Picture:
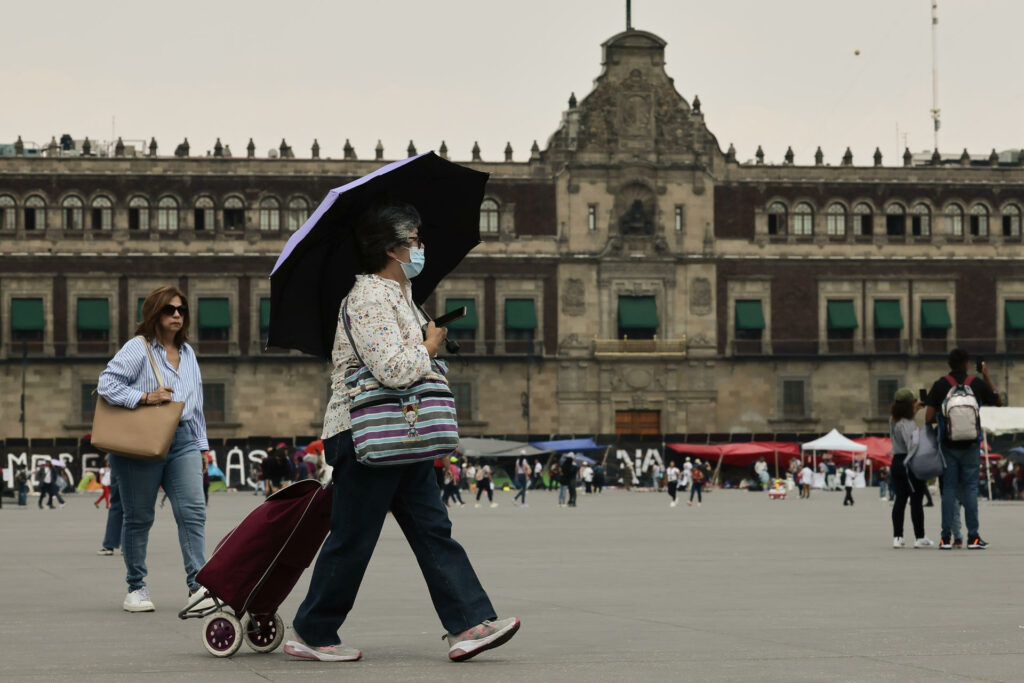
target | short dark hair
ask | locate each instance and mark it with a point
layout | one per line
(957, 358)
(383, 227)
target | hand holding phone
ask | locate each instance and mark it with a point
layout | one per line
(980, 366)
(451, 316)
(923, 393)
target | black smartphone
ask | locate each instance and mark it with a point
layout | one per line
(923, 393)
(451, 316)
(977, 366)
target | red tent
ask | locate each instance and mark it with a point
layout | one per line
(739, 454)
(879, 449)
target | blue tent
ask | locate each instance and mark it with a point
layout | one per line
(566, 445)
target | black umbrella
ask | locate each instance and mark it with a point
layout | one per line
(318, 265)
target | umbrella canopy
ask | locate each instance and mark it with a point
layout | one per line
(318, 264)
(1016, 454)
(582, 458)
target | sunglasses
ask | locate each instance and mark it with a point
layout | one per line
(169, 309)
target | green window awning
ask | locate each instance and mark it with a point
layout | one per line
(1014, 315)
(935, 315)
(638, 313)
(470, 322)
(138, 311)
(27, 315)
(749, 315)
(214, 314)
(841, 315)
(888, 315)
(264, 314)
(520, 314)
(93, 314)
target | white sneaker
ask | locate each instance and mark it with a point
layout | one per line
(138, 601)
(672, 504)
(199, 600)
(477, 505)
(494, 505)
(898, 542)
(924, 543)
(325, 653)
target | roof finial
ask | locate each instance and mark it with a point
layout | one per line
(476, 151)
(508, 151)
(443, 150)
(629, 21)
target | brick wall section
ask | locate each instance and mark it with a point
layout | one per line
(734, 211)
(534, 205)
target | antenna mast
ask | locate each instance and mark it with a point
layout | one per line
(935, 70)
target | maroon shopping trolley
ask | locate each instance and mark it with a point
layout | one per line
(254, 568)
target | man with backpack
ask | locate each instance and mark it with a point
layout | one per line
(956, 400)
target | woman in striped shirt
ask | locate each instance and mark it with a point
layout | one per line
(129, 381)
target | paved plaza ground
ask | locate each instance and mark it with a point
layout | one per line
(621, 588)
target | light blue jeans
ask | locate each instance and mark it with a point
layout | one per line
(960, 477)
(181, 475)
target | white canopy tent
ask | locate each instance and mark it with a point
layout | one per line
(999, 421)
(833, 441)
(474, 447)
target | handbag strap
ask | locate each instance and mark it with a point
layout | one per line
(152, 362)
(348, 331)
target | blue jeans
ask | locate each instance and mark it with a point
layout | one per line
(138, 482)
(961, 475)
(563, 492)
(115, 516)
(363, 495)
(521, 485)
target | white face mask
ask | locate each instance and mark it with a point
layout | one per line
(417, 259)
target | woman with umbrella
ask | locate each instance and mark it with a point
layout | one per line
(387, 331)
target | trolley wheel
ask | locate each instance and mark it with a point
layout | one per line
(222, 634)
(263, 632)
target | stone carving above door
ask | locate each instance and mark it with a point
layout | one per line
(700, 296)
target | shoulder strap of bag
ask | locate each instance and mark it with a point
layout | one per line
(348, 331)
(152, 361)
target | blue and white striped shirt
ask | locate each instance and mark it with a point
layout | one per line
(129, 375)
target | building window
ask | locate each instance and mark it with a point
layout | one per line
(888, 321)
(592, 217)
(138, 214)
(954, 221)
(88, 401)
(214, 319)
(803, 219)
(921, 221)
(935, 325)
(638, 317)
(93, 320)
(7, 215)
(264, 321)
(680, 218)
(270, 215)
(204, 214)
(213, 402)
(35, 213)
(776, 218)
(841, 324)
(464, 329)
(794, 404)
(489, 216)
(835, 219)
(234, 214)
(979, 220)
(167, 214)
(520, 325)
(27, 320)
(885, 390)
(749, 324)
(1011, 221)
(895, 220)
(73, 213)
(298, 212)
(102, 214)
(863, 219)
(1013, 325)
(138, 310)
(463, 392)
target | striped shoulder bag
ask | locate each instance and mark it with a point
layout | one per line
(399, 426)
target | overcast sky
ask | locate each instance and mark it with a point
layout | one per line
(768, 72)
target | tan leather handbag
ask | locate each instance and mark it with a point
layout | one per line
(144, 433)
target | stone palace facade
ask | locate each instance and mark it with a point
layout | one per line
(634, 278)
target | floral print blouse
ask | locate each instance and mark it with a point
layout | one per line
(386, 330)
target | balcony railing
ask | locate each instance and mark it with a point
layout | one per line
(649, 347)
(861, 347)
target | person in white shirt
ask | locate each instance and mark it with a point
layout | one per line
(538, 472)
(104, 477)
(687, 474)
(672, 477)
(849, 477)
(806, 479)
(587, 475)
